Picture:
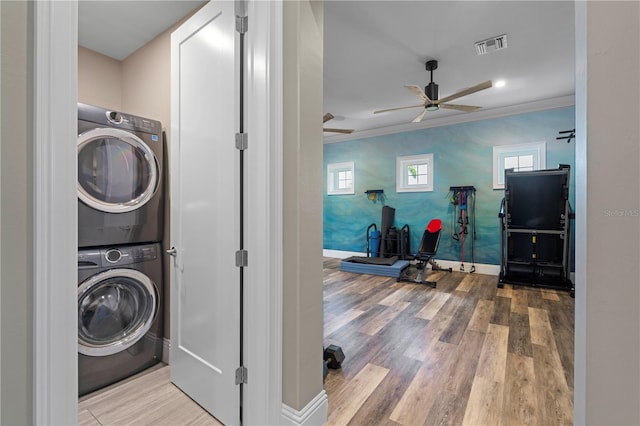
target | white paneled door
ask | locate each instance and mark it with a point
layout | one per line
(205, 213)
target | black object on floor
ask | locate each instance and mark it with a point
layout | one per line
(535, 229)
(333, 357)
(426, 252)
(387, 261)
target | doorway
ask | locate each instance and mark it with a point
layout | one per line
(56, 361)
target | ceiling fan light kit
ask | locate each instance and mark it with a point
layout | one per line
(429, 96)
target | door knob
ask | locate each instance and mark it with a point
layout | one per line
(172, 252)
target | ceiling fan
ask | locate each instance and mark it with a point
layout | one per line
(328, 116)
(429, 97)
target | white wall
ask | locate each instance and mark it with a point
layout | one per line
(607, 338)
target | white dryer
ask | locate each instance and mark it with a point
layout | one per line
(120, 178)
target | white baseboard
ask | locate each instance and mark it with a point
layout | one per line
(481, 268)
(340, 254)
(314, 413)
(166, 347)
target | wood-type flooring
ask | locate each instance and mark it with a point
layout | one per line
(464, 353)
(148, 398)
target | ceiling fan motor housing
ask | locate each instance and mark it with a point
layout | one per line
(431, 90)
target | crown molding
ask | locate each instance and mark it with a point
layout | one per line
(484, 114)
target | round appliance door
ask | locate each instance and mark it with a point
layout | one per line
(115, 309)
(117, 171)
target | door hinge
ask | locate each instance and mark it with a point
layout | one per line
(242, 258)
(242, 24)
(242, 141)
(241, 375)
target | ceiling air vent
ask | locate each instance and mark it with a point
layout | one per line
(491, 44)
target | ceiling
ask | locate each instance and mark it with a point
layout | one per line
(373, 48)
(117, 28)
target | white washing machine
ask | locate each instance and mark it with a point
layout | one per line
(120, 178)
(120, 313)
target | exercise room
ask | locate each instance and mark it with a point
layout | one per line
(448, 213)
(443, 195)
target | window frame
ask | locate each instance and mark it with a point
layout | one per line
(333, 170)
(403, 162)
(537, 149)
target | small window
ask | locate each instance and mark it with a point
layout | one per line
(340, 178)
(414, 173)
(523, 157)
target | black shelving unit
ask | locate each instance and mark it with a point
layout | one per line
(535, 229)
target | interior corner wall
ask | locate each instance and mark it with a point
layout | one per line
(140, 85)
(99, 79)
(302, 210)
(607, 345)
(462, 155)
(16, 210)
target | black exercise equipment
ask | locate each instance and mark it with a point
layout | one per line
(535, 229)
(463, 199)
(567, 134)
(426, 252)
(388, 216)
(333, 357)
(389, 241)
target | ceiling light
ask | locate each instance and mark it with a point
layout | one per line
(500, 83)
(432, 107)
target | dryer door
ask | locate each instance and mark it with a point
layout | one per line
(117, 171)
(115, 309)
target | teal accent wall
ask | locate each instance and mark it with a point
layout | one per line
(463, 155)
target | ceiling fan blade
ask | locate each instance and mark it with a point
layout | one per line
(395, 109)
(487, 84)
(417, 90)
(465, 108)
(345, 131)
(328, 116)
(420, 116)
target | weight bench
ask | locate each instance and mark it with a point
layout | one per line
(426, 252)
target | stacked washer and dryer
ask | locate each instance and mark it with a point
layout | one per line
(120, 223)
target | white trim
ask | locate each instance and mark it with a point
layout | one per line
(264, 275)
(483, 114)
(401, 177)
(481, 268)
(55, 236)
(341, 254)
(539, 161)
(582, 257)
(314, 413)
(332, 169)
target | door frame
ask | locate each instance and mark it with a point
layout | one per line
(55, 96)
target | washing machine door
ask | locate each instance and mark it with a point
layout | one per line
(116, 308)
(117, 171)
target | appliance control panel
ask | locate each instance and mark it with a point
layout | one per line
(117, 256)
